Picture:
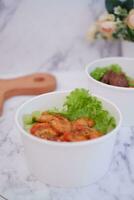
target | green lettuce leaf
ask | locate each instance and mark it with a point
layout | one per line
(80, 103)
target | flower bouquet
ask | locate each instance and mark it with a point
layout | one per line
(116, 24)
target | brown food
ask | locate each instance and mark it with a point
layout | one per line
(115, 79)
(55, 127)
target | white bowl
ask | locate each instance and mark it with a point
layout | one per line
(61, 163)
(121, 96)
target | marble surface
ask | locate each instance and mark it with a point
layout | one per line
(39, 36)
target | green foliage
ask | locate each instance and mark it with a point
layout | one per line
(80, 103)
(115, 68)
(111, 4)
(36, 115)
(120, 12)
(123, 32)
(29, 119)
(130, 34)
(131, 84)
(130, 81)
(99, 72)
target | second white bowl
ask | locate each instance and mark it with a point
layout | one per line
(121, 96)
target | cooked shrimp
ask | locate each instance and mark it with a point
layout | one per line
(82, 122)
(46, 117)
(58, 128)
(43, 130)
(61, 124)
(72, 137)
(93, 133)
(57, 122)
(90, 133)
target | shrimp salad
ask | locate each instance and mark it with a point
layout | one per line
(81, 118)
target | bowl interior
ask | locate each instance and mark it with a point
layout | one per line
(57, 99)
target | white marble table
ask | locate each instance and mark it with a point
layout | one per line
(38, 36)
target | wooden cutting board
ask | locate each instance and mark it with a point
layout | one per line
(33, 84)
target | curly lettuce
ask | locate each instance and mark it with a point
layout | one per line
(80, 103)
(99, 72)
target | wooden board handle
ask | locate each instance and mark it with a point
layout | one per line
(26, 85)
(2, 99)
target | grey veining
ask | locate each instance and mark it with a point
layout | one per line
(38, 36)
(7, 9)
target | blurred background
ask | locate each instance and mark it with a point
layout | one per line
(50, 35)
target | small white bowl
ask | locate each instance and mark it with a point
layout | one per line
(121, 96)
(66, 164)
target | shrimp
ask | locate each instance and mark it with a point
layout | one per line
(93, 133)
(83, 129)
(61, 124)
(82, 122)
(46, 117)
(43, 130)
(72, 137)
(90, 133)
(58, 128)
(57, 122)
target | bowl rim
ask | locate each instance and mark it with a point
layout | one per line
(104, 84)
(66, 144)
